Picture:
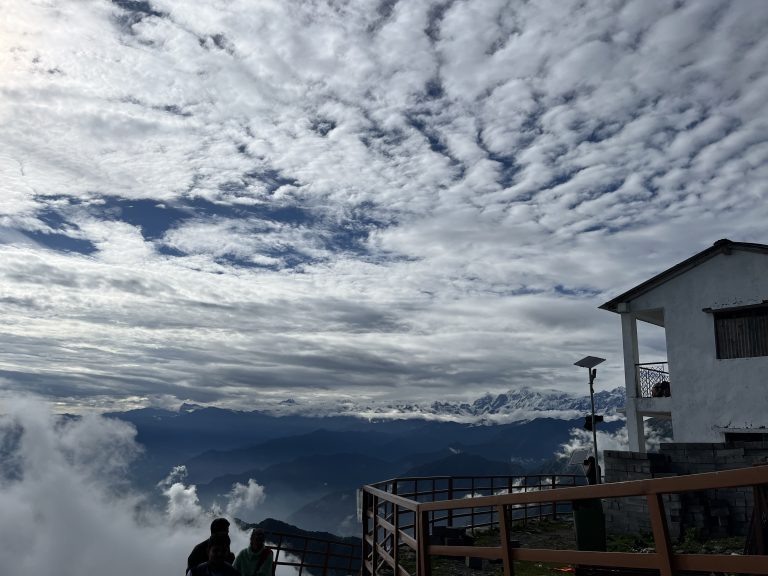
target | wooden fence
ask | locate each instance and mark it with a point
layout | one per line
(387, 535)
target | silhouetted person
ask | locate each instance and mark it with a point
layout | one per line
(591, 471)
(200, 552)
(216, 564)
(256, 560)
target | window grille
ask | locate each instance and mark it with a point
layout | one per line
(742, 333)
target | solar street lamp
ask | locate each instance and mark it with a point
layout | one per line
(589, 362)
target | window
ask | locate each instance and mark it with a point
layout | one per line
(742, 333)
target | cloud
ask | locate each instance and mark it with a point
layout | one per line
(64, 495)
(582, 440)
(380, 199)
(62, 489)
(183, 506)
(243, 499)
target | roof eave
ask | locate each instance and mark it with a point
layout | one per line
(724, 246)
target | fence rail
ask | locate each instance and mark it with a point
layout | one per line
(311, 556)
(384, 536)
(442, 488)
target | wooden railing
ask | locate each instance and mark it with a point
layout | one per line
(386, 541)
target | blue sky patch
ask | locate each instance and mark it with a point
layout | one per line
(62, 242)
(153, 217)
(581, 292)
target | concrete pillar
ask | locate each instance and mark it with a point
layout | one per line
(635, 429)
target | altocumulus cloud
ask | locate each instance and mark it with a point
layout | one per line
(67, 509)
(376, 199)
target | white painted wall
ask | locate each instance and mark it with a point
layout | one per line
(710, 394)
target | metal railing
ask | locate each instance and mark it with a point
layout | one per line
(653, 379)
(386, 543)
(311, 556)
(441, 488)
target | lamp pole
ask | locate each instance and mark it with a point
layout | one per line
(589, 362)
(592, 376)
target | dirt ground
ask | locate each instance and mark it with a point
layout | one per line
(551, 535)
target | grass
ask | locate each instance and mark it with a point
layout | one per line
(549, 534)
(629, 542)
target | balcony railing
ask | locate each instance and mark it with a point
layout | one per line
(653, 380)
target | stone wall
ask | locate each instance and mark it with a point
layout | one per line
(715, 513)
(630, 515)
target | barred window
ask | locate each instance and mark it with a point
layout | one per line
(742, 333)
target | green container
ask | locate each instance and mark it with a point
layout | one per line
(589, 521)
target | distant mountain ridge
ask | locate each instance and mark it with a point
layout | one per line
(512, 406)
(530, 400)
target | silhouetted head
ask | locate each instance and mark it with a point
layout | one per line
(218, 549)
(257, 538)
(220, 525)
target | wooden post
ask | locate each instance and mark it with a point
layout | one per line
(366, 531)
(660, 534)
(375, 533)
(396, 541)
(506, 550)
(424, 565)
(450, 497)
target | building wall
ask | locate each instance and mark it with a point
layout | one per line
(710, 394)
(630, 515)
(715, 513)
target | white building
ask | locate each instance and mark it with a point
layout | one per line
(714, 311)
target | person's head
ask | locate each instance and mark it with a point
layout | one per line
(220, 525)
(257, 538)
(218, 547)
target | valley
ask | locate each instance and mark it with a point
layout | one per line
(310, 466)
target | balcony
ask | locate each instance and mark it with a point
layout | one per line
(653, 380)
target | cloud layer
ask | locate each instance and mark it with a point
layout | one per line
(226, 201)
(67, 508)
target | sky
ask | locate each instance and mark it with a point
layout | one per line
(240, 203)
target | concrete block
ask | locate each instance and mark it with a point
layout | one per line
(726, 452)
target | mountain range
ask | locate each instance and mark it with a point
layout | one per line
(310, 464)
